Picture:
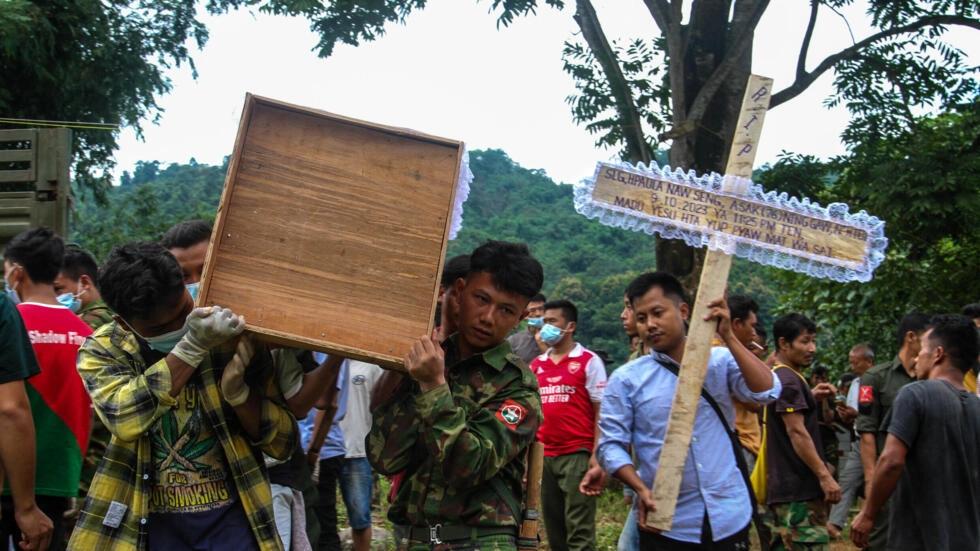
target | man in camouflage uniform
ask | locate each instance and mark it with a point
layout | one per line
(460, 423)
(79, 276)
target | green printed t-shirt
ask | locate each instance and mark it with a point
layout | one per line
(191, 472)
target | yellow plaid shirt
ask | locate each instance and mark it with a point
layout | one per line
(130, 398)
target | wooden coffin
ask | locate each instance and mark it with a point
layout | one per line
(331, 231)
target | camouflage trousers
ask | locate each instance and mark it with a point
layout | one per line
(801, 525)
(486, 543)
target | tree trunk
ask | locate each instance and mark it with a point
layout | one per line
(709, 35)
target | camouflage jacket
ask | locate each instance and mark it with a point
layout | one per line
(462, 446)
(96, 314)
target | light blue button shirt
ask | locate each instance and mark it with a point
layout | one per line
(635, 410)
(333, 444)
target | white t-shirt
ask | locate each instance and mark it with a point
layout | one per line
(852, 394)
(357, 423)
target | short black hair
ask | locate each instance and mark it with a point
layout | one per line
(186, 234)
(454, 268)
(761, 331)
(915, 322)
(510, 265)
(538, 298)
(972, 311)
(39, 251)
(741, 305)
(791, 326)
(568, 310)
(819, 371)
(78, 262)
(958, 337)
(136, 277)
(669, 284)
(847, 378)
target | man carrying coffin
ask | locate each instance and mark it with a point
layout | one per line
(460, 422)
(188, 415)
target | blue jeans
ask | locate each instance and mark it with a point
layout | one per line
(355, 486)
(629, 538)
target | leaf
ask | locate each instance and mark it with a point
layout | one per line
(168, 427)
(197, 449)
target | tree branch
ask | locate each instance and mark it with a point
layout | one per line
(660, 11)
(631, 123)
(671, 28)
(807, 36)
(676, 11)
(710, 87)
(803, 82)
(847, 23)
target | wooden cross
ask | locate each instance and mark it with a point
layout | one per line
(739, 218)
(697, 349)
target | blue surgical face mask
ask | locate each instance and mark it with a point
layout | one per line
(193, 289)
(535, 322)
(70, 301)
(550, 334)
(10, 292)
(165, 342)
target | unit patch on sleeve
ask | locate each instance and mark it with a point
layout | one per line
(866, 395)
(511, 414)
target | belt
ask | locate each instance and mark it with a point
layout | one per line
(440, 533)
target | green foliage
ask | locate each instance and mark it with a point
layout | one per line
(94, 61)
(146, 205)
(798, 176)
(887, 80)
(924, 180)
(594, 105)
(355, 21)
(584, 261)
(923, 184)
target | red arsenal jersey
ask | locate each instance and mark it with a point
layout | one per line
(570, 394)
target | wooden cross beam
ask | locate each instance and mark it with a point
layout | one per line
(697, 349)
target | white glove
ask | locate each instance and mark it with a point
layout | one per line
(206, 329)
(233, 387)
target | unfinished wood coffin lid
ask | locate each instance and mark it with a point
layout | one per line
(331, 231)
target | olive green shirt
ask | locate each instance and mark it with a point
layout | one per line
(95, 314)
(462, 445)
(884, 380)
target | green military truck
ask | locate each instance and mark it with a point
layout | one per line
(35, 189)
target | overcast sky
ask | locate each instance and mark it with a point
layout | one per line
(449, 71)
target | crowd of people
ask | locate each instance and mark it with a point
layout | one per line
(132, 418)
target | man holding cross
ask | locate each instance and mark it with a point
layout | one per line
(714, 508)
